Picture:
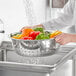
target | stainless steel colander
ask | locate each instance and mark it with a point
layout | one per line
(35, 48)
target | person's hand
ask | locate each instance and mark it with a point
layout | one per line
(63, 38)
(35, 26)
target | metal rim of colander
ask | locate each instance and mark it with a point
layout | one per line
(29, 40)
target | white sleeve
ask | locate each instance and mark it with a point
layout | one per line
(65, 18)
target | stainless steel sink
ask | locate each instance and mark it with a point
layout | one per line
(13, 64)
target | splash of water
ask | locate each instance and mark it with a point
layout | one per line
(29, 10)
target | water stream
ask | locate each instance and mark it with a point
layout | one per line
(30, 15)
(29, 10)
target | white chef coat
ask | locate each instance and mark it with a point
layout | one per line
(67, 17)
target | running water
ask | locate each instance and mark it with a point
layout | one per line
(30, 15)
(29, 10)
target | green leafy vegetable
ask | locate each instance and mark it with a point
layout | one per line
(42, 36)
(39, 29)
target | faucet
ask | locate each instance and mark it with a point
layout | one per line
(2, 31)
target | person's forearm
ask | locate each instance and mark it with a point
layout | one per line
(63, 20)
(73, 38)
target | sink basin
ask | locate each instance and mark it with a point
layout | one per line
(36, 66)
